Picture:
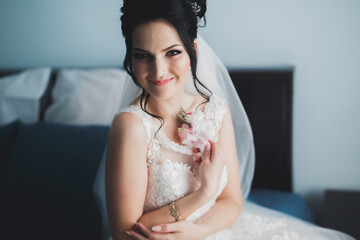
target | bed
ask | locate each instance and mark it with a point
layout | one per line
(48, 167)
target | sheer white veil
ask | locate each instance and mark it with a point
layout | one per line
(212, 72)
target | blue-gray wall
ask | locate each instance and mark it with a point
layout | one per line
(60, 33)
(321, 38)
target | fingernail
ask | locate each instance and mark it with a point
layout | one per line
(156, 228)
(129, 233)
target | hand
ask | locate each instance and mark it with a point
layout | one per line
(197, 155)
(171, 231)
(211, 168)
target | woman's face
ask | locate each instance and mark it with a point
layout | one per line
(160, 62)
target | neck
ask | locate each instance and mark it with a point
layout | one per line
(168, 109)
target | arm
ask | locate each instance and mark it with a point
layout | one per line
(229, 203)
(125, 173)
(185, 206)
(126, 180)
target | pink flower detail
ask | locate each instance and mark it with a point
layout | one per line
(186, 135)
(201, 131)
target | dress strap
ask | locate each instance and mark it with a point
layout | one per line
(215, 110)
(150, 126)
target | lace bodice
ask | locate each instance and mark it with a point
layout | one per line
(172, 171)
(173, 174)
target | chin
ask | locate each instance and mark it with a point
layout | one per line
(165, 93)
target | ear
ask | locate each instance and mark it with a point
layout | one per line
(196, 46)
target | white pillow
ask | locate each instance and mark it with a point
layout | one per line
(85, 97)
(20, 95)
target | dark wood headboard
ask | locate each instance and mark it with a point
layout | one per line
(267, 99)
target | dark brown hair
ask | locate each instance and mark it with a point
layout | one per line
(184, 15)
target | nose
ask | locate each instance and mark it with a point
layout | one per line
(159, 68)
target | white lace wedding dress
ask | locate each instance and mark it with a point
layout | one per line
(173, 174)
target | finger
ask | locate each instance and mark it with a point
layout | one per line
(143, 229)
(215, 152)
(198, 160)
(207, 152)
(168, 228)
(196, 150)
(135, 227)
(196, 156)
(212, 144)
(136, 235)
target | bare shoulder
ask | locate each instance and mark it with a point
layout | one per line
(227, 124)
(127, 125)
(126, 141)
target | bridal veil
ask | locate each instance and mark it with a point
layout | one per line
(255, 222)
(214, 75)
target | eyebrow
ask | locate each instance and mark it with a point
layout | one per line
(164, 50)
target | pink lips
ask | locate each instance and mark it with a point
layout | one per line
(161, 82)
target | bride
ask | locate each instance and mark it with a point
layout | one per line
(171, 167)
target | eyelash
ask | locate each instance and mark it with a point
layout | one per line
(147, 56)
(173, 53)
(141, 55)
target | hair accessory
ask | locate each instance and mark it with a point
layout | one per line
(196, 9)
(174, 212)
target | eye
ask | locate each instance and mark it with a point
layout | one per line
(141, 55)
(173, 53)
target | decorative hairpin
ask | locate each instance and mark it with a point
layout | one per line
(196, 9)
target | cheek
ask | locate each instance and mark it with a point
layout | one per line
(139, 69)
(182, 65)
(140, 73)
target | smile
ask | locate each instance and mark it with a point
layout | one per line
(161, 82)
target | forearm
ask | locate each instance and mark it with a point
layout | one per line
(185, 206)
(228, 210)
